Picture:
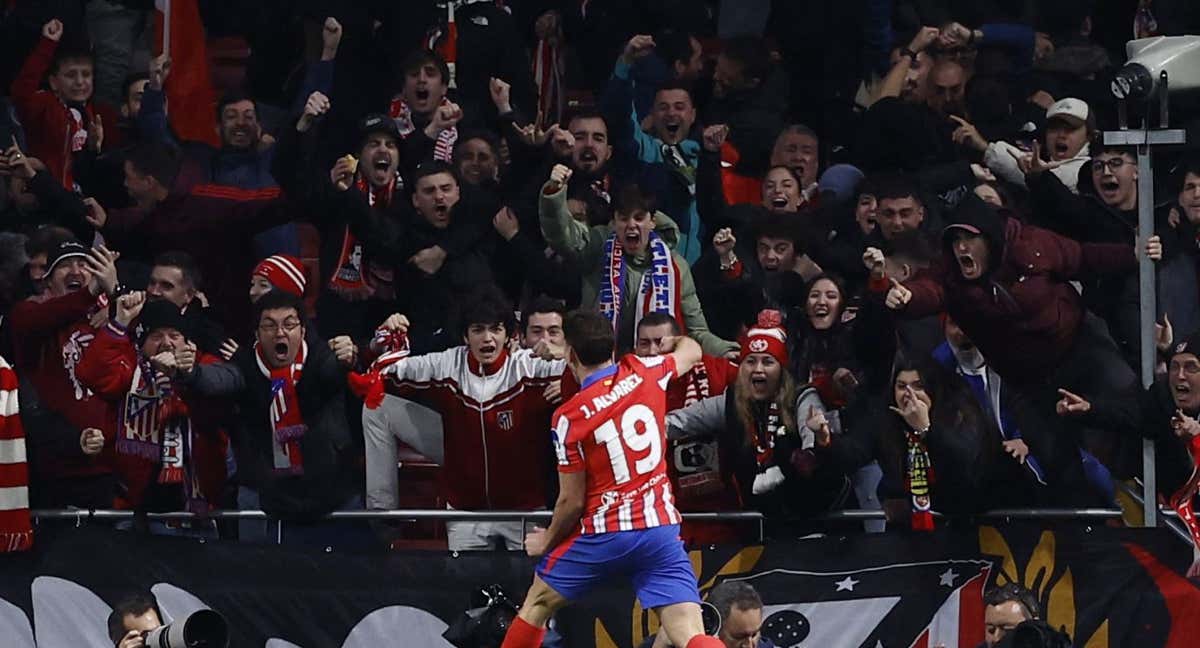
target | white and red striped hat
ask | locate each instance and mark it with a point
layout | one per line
(767, 337)
(284, 272)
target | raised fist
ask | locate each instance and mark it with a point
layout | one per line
(129, 306)
(53, 29)
(318, 104)
(331, 36)
(715, 136)
(560, 175)
(873, 260)
(501, 94)
(637, 47)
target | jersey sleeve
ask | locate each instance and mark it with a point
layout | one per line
(659, 369)
(568, 449)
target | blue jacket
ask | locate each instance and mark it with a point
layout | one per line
(639, 157)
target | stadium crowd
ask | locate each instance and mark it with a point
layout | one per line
(891, 226)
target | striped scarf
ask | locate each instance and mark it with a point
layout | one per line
(659, 291)
(1183, 502)
(358, 278)
(369, 386)
(284, 416)
(16, 529)
(154, 425)
(919, 480)
(443, 148)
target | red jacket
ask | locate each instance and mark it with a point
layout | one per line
(215, 225)
(49, 338)
(495, 420)
(1024, 315)
(53, 134)
(107, 367)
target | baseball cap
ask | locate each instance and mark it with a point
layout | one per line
(378, 123)
(64, 251)
(1072, 110)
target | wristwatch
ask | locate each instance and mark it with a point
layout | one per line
(912, 56)
(733, 259)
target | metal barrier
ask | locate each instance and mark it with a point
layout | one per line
(82, 515)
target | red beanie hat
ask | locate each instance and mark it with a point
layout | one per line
(284, 272)
(767, 337)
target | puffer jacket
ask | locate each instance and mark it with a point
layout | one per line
(1023, 313)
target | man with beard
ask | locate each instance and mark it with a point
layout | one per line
(1007, 286)
(246, 154)
(293, 446)
(63, 122)
(50, 333)
(494, 414)
(665, 158)
(629, 267)
(170, 450)
(947, 88)
(1108, 213)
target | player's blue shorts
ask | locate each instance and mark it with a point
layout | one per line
(653, 558)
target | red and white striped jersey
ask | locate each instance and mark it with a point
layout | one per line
(615, 431)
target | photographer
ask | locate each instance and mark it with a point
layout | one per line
(132, 618)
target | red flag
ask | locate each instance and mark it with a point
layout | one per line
(16, 532)
(191, 100)
(1181, 597)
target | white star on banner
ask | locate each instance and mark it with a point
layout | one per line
(846, 585)
(948, 577)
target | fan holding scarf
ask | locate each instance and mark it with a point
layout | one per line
(169, 443)
(292, 437)
(630, 266)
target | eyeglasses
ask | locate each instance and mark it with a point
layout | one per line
(1190, 367)
(271, 328)
(1113, 164)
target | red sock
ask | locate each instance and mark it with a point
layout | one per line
(523, 635)
(705, 641)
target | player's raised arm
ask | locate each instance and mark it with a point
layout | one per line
(687, 354)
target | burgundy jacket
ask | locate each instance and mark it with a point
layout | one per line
(1023, 315)
(48, 121)
(50, 337)
(107, 367)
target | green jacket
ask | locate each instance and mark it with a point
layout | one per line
(584, 246)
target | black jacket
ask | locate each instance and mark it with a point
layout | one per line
(326, 447)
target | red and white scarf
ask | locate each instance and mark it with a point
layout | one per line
(154, 425)
(547, 74)
(697, 385)
(658, 292)
(356, 277)
(443, 147)
(369, 386)
(16, 529)
(1183, 501)
(284, 416)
